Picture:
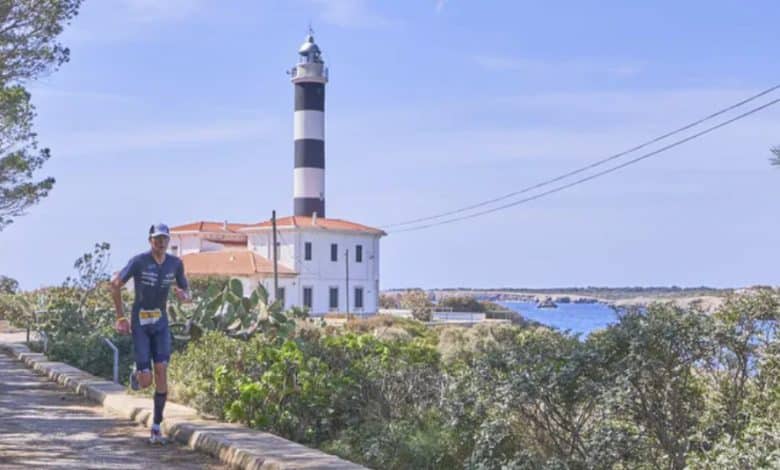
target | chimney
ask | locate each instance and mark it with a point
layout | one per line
(225, 226)
(314, 218)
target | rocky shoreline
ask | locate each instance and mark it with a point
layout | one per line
(707, 303)
(539, 298)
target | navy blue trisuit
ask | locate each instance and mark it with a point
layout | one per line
(149, 319)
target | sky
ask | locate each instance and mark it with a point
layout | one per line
(180, 111)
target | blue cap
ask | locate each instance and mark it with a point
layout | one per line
(157, 230)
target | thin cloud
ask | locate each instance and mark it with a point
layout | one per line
(164, 136)
(151, 11)
(39, 92)
(564, 128)
(351, 14)
(131, 20)
(640, 106)
(440, 5)
(577, 67)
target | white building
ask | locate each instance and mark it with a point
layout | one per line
(323, 264)
(313, 257)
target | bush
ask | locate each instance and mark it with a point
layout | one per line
(77, 322)
(661, 388)
(17, 309)
(388, 301)
(297, 396)
(420, 442)
(462, 303)
(417, 301)
(313, 388)
(193, 371)
(377, 324)
(90, 353)
(8, 285)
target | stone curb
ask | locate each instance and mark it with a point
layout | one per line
(234, 445)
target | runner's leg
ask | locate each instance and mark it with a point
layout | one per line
(143, 357)
(161, 353)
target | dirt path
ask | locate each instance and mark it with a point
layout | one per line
(43, 425)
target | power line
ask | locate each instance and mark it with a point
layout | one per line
(595, 175)
(590, 166)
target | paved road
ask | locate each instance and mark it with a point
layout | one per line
(43, 425)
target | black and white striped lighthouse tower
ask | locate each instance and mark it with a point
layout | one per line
(309, 77)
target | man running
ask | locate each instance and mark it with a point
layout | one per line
(153, 273)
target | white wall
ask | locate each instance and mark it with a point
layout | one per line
(206, 246)
(261, 243)
(290, 292)
(186, 244)
(250, 284)
(377, 287)
(321, 273)
(258, 243)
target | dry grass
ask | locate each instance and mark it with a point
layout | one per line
(457, 342)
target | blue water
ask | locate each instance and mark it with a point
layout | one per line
(577, 318)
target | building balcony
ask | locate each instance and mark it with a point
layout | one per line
(309, 72)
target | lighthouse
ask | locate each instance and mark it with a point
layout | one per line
(309, 77)
(310, 261)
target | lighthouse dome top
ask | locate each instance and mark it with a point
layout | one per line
(310, 66)
(309, 48)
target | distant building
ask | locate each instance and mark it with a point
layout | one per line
(311, 249)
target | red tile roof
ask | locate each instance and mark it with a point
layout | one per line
(321, 223)
(231, 263)
(232, 243)
(204, 226)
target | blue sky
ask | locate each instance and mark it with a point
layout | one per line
(181, 111)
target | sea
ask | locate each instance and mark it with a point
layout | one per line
(575, 318)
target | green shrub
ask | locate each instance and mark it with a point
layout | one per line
(661, 388)
(90, 353)
(377, 325)
(297, 396)
(462, 303)
(417, 442)
(193, 371)
(314, 388)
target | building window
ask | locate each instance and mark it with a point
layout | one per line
(333, 301)
(280, 295)
(307, 297)
(358, 297)
(334, 252)
(174, 249)
(307, 251)
(359, 254)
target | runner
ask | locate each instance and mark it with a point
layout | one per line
(153, 273)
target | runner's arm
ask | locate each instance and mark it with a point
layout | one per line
(116, 294)
(183, 285)
(117, 282)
